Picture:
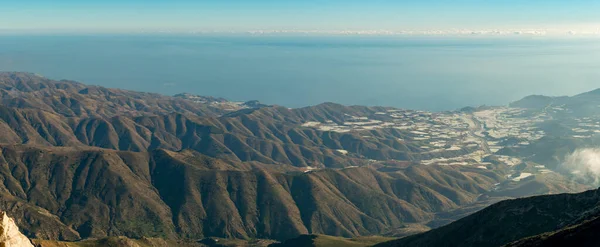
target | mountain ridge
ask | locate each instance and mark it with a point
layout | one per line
(508, 221)
(155, 177)
(81, 162)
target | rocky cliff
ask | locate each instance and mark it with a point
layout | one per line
(10, 236)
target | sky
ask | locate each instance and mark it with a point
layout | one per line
(560, 16)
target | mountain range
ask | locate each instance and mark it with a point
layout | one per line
(82, 162)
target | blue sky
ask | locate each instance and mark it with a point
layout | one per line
(243, 15)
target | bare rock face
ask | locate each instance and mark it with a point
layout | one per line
(10, 236)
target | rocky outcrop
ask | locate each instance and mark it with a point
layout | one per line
(10, 236)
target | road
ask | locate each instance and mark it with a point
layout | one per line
(476, 126)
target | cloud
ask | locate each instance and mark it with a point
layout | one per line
(441, 32)
(584, 164)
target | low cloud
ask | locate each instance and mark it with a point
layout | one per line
(584, 164)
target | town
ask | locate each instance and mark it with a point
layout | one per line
(476, 135)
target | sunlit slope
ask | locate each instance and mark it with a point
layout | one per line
(73, 193)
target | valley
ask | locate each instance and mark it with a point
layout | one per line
(475, 137)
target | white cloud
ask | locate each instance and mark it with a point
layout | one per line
(584, 164)
(441, 32)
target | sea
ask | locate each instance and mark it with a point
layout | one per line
(422, 73)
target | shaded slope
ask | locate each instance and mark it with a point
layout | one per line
(69, 194)
(349, 202)
(508, 221)
(584, 234)
(329, 241)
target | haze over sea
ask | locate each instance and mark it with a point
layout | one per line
(429, 73)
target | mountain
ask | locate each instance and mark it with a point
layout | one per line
(536, 101)
(511, 220)
(591, 94)
(583, 104)
(80, 162)
(73, 99)
(70, 194)
(584, 234)
(39, 111)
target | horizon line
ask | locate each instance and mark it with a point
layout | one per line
(341, 32)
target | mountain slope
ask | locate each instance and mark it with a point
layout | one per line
(510, 220)
(82, 161)
(67, 193)
(40, 111)
(584, 234)
(584, 104)
(73, 99)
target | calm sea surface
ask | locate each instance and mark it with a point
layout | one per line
(295, 71)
